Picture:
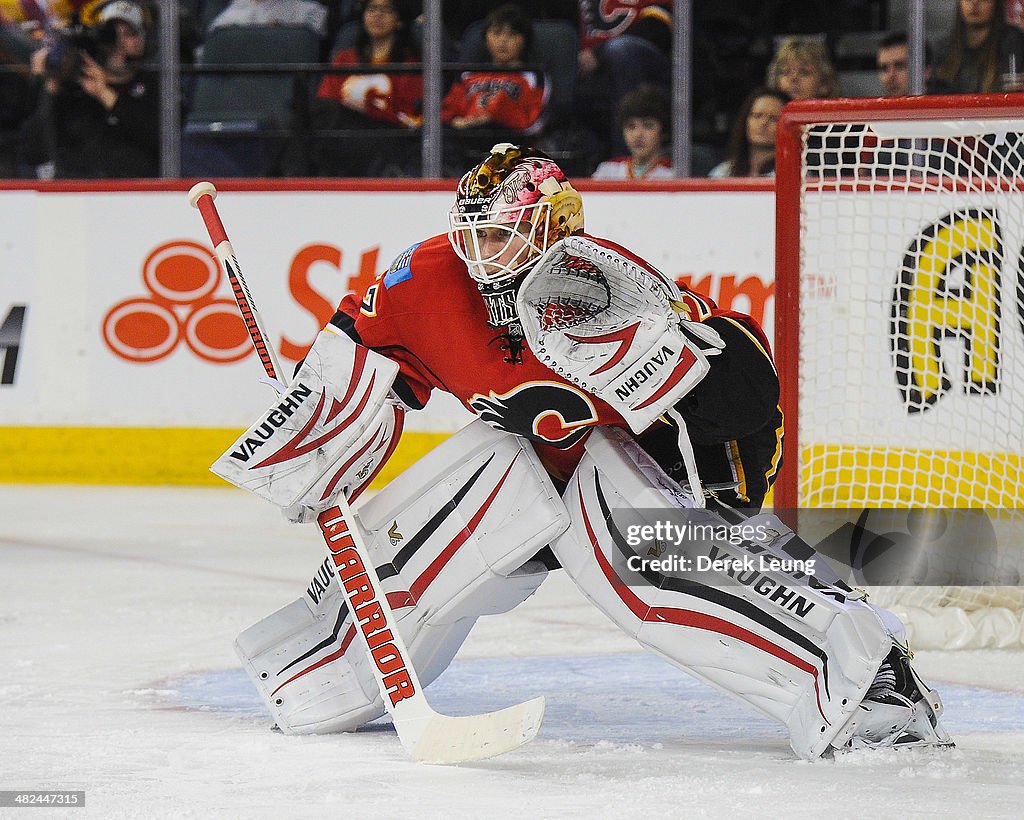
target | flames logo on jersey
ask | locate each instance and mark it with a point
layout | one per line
(549, 412)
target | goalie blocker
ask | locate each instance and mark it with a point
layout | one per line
(331, 431)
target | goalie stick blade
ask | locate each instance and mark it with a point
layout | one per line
(426, 735)
(445, 739)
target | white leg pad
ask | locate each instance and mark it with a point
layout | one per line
(314, 675)
(451, 539)
(801, 653)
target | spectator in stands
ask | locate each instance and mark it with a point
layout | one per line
(17, 90)
(98, 113)
(623, 43)
(370, 102)
(802, 70)
(893, 60)
(500, 98)
(644, 120)
(306, 13)
(881, 157)
(981, 48)
(751, 147)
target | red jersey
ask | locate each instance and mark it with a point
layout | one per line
(509, 99)
(600, 20)
(393, 98)
(624, 168)
(426, 314)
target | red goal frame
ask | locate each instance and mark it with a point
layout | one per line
(795, 116)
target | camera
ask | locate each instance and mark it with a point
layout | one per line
(64, 62)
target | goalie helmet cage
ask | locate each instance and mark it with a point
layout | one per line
(900, 345)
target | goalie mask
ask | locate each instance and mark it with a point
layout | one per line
(508, 210)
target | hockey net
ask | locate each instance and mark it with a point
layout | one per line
(900, 344)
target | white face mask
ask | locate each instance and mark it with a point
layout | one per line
(497, 246)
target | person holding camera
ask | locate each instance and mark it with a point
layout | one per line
(98, 113)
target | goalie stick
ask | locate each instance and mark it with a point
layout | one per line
(427, 736)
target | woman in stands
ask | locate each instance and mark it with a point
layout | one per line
(752, 141)
(802, 69)
(370, 102)
(981, 48)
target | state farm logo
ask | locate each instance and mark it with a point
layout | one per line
(181, 278)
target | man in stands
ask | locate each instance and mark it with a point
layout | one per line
(893, 61)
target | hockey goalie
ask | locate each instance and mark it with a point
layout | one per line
(604, 394)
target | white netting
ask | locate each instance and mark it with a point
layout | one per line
(911, 387)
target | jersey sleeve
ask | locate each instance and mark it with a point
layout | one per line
(404, 106)
(377, 320)
(732, 415)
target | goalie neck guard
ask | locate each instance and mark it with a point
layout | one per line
(508, 210)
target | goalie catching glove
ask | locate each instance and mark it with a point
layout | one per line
(330, 432)
(614, 328)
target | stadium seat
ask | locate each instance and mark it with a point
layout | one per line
(232, 101)
(260, 107)
(346, 37)
(207, 10)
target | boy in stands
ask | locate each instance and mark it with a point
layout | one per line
(644, 120)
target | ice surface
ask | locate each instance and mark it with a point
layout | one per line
(118, 608)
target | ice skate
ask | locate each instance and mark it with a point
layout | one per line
(899, 710)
